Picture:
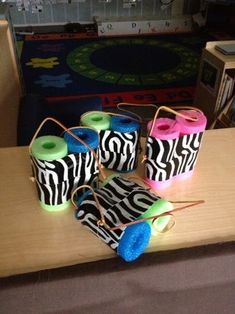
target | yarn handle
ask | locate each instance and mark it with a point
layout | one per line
(170, 110)
(123, 104)
(120, 107)
(73, 135)
(138, 119)
(103, 223)
(169, 213)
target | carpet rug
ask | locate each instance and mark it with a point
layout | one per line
(143, 69)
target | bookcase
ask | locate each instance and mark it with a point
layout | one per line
(214, 69)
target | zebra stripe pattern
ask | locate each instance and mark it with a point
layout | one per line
(169, 158)
(119, 151)
(56, 179)
(123, 201)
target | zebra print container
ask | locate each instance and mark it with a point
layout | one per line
(119, 151)
(123, 201)
(119, 139)
(57, 178)
(169, 158)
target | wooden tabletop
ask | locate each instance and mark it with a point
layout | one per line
(33, 239)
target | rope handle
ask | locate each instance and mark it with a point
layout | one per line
(122, 104)
(169, 109)
(139, 119)
(73, 135)
(192, 203)
(103, 223)
(114, 114)
(119, 107)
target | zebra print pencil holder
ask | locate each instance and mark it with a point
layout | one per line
(172, 146)
(119, 139)
(112, 213)
(119, 151)
(58, 171)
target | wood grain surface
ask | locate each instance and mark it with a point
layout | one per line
(32, 239)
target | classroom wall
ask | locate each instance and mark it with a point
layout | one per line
(83, 12)
(10, 87)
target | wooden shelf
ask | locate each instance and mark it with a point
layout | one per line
(213, 67)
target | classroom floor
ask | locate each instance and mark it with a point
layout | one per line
(172, 93)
